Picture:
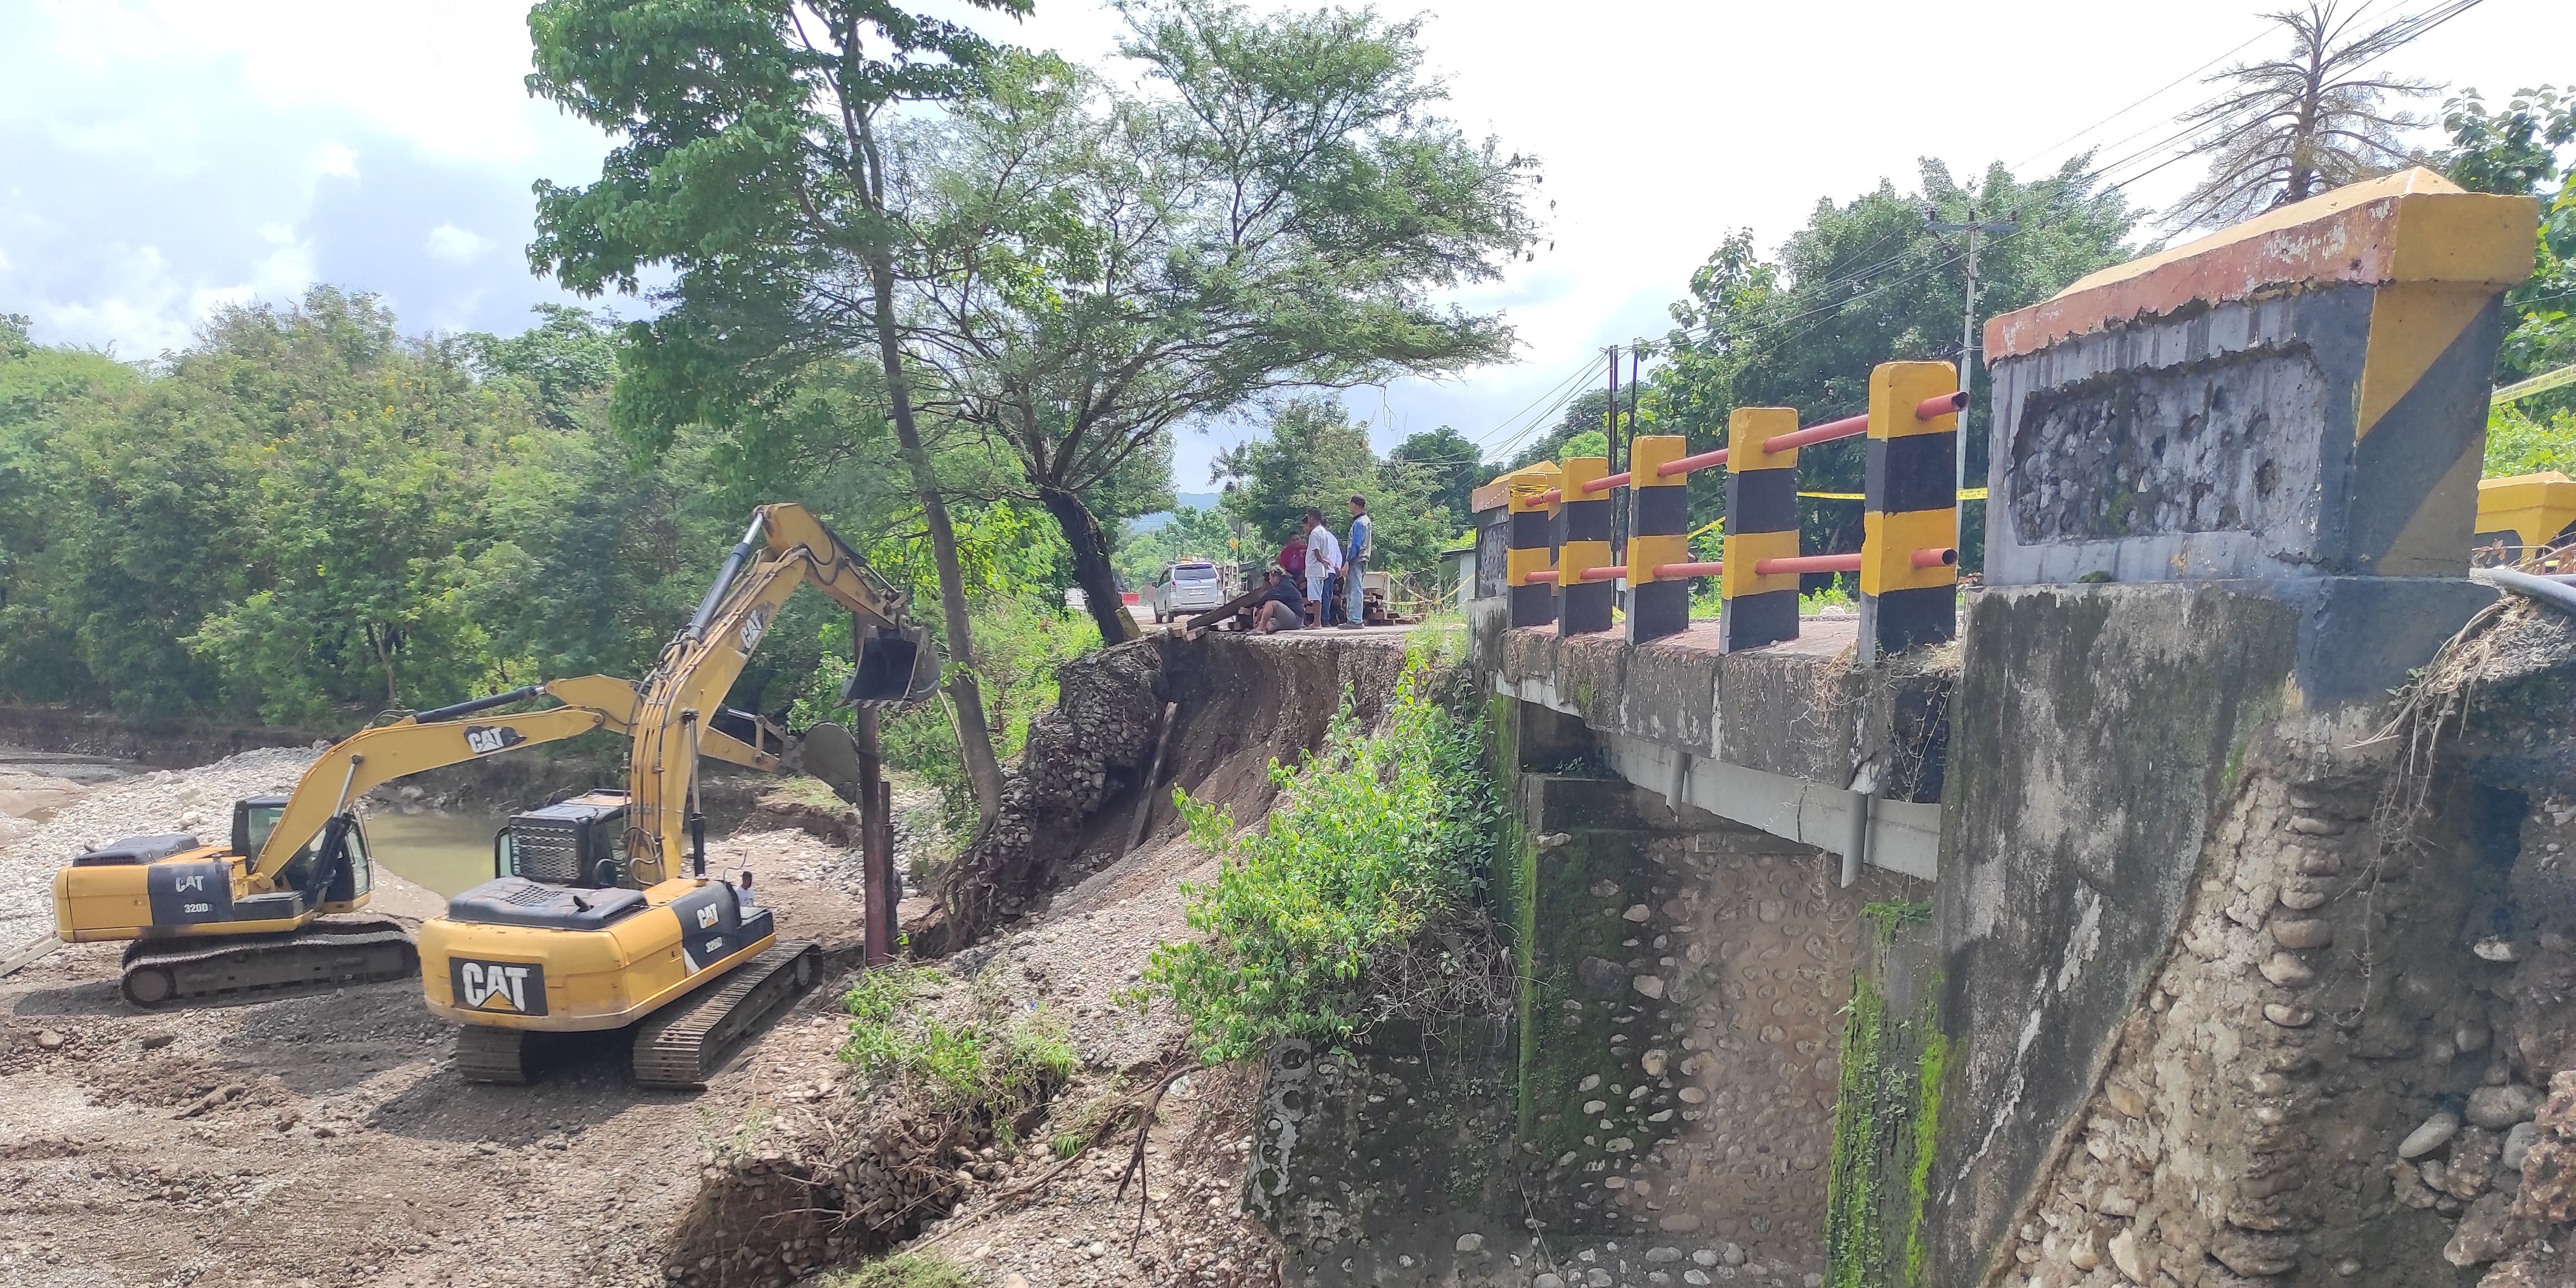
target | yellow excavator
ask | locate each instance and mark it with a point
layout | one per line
(601, 914)
(208, 920)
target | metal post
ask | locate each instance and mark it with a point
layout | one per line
(876, 852)
(1968, 323)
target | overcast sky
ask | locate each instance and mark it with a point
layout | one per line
(161, 157)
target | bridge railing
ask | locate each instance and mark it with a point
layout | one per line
(1563, 569)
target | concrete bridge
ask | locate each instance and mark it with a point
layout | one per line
(2085, 948)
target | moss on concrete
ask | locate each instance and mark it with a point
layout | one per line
(1886, 1114)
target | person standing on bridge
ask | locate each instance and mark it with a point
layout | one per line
(1355, 562)
(1323, 559)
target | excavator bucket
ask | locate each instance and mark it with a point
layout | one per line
(832, 755)
(895, 667)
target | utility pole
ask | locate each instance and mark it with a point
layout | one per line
(1968, 325)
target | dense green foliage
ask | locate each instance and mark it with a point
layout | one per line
(991, 1065)
(307, 517)
(2517, 148)
(1190, 533)
(1373, 841)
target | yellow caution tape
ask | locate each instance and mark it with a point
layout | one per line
(1965, 494)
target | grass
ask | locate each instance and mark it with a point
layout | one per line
(993, 1065)
(911, 1270)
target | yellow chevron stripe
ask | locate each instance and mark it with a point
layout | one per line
(2411, 324)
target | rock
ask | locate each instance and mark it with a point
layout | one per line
(1554, 840)
(1591, 1107)
(1546, 1280)
(1683, 1223)
(2125, 1255)
(2549, 1179)
(2432, 1135)
(1658, 1256)
(2126, 1099)
(1695, 1277)
(2496, 948)
(1599, 974)
(2473, 1158)
(1649, 985)
(1014, 1279)
(1604, 889)
(49, 1040)
(2289, 1017)
(2255, 1256)
(2302, 894)
(1590, 1080)
(2302, 932)
(1637, 912)
(2087, 1252)
(1705, 1257)
(2517, 1146)
(1653, 1063)
(2288, 971)
(2481, 1235)
(156, 1041)
(1471, 1243)
(2409, 1186)
(1731, 1255)
(2471, 1035)
(2316, 863)
(2499, 1108)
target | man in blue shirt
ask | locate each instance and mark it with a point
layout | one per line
(1355, 557)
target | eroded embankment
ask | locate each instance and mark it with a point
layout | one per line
(1053, 921)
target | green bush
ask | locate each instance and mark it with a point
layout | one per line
(2518, 444)
(1374, 840)
(995, 1064)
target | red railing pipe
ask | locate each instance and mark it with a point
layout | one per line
(1606, 572)
(1546, 577)
(1677, 571)
(1935, 556)
(1607, 482)
(1927, 409)
(1548, 497)
(1808, 563)
(1686, 464)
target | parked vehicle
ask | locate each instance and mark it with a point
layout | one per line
(1189, 586)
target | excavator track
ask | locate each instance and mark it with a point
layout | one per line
(488, 1054)
(324, 954)
(682, 1046)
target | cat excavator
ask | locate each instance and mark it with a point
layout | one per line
(601, 914)
(207, 920)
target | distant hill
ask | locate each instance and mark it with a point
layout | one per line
(1186, 500)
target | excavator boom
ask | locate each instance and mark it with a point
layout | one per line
(785, 546)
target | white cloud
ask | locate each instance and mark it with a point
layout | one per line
(4, 261)
(455, 245)
(336, 160)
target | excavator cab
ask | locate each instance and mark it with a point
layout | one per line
(893, 667)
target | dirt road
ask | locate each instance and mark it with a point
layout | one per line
(322, 1139)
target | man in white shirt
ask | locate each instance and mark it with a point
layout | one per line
(1323, 559)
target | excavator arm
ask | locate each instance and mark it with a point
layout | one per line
(786, 546)
(430, 739)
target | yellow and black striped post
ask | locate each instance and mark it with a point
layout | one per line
(1658, 534)
(1909, 570)
(1761, 523)
(1529, 570)
(1583, 604)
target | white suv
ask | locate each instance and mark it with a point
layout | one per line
(1190, 586)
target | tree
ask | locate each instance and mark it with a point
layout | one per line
(1315, 457)
(1445, 464)
(1103, 266)
(1863, 283)
(2288, 128)
(751, 161)
(2515, 150)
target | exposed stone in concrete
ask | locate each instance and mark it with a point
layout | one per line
(2499, 1108)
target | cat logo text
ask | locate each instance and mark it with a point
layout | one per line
(500, 988)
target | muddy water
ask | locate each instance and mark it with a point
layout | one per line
(447, 852)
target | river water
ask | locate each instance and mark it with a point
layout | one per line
(448, 853)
